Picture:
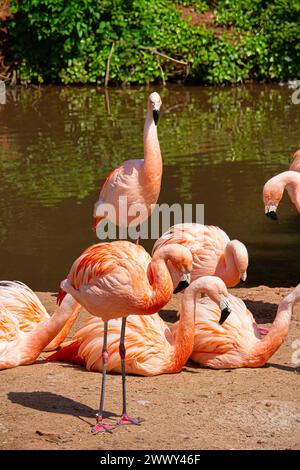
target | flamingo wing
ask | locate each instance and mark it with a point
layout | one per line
(19, 301)
(124, 180)
(225, 345)
(99, 260)
(207, 244)
(9, 327)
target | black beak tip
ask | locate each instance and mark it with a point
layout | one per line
(155, 116)
(272, 215)
(224, 315)
(242, 280)
(181, 286)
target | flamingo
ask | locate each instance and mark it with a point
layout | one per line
(152, 349)
(136, 182)
(213, 252)
(295, 165)
(238, 342)
(26, 329)
(235, 343)
(113, 280)
(274, 188)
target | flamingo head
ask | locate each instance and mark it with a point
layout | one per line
(155, 103)
(215, 288)
(296, 155)
(241, 259)
(181, 258)
(179, 261)
(272, 195)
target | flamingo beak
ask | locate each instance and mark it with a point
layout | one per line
(272, 215)
(225, 310)
(155, 116)
(183, 283)
(270, 212)
(224, 315)
(243, 277)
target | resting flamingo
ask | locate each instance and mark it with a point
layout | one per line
(151, 347)
(295, 165)
(217, 344)
(26, 329)
(238, 342)
(138, 181)
(113, 280)
(213, 252)
(274, 188)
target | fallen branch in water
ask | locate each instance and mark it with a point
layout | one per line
(108, 65)
(162, 72)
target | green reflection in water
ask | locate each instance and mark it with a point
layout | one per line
(59, 143)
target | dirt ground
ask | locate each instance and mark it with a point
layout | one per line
(52, 405)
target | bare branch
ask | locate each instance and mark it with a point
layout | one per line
(108, 65)
(161, 54)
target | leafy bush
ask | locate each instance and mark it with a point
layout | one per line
(270, 34)
(69, 41)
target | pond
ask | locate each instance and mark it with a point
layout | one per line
(219, 146)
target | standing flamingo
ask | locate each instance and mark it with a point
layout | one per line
(151, 347)
(113, 280)
(238, 342)
(274, 188)
(135, 183)
(26, 329)
(214, 254)
(295, 165)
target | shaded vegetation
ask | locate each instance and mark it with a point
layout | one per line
(69, 41)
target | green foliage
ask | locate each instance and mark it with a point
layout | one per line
(270, 34)
(69, 41)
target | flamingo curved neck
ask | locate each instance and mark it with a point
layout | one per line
(185, 332)
(161, 284)
(48, 330)
(266, 347)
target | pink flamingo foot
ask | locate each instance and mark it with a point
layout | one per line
(128, 420)
(102, 426)
(263, 331)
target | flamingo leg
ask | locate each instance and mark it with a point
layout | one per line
(125, 419)
(101, 425)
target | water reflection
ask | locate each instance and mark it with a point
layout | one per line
(219, 146)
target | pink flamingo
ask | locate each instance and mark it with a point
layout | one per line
(214, 254)
(274, 188)
(26, 329)
(238, 342)
(151, 347)
(113, 280)
(295, 165)
(138, 181)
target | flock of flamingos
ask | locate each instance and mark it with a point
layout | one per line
(123, 288)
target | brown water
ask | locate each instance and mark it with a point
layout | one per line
(219, 147)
